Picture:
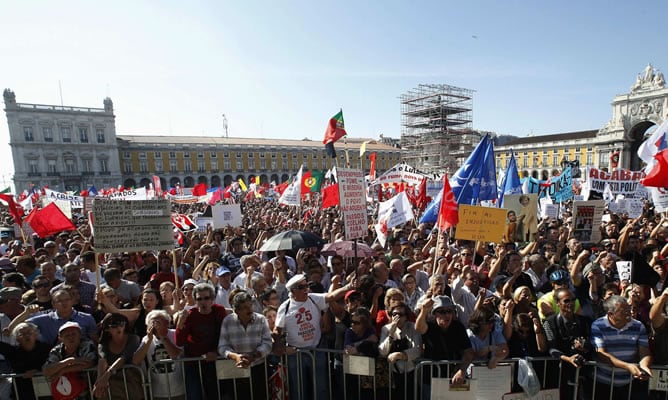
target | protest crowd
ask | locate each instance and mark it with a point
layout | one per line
(101, 324)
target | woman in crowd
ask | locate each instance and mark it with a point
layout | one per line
(412, 292)
(360, 339)
(393, 297)
(27, 358)
(524, 301)
(402, 345)
(150, 300)
(488, 343)
(116, 348)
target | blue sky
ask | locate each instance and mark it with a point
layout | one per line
(281, 69)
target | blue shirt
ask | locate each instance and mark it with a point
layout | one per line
(49, 323)
(623, 343)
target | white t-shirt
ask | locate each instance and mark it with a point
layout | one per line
(301, 320)
(166, 378)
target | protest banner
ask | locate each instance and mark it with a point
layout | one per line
(352, 202)
(586, 220)
(621, 181)
(659, 198)
(202, 222)
(395, 211)
(52, 195)
(226, 214)
(132, 194)
(561, 187)
(480, 223)
(399, 173)
(132, 225)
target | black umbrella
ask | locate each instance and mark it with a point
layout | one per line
(292, 240)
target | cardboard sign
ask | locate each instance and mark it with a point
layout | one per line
(52, 195)
(132, 225)
(352, 202)
(480, 223)
(226, 214)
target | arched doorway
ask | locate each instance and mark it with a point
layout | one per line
(227, 180)
(636, 136)
(145, 182)
(263, 179)
(188, 181)
(274, 178)
(203, 179)
(129, 183)
(215, 181)
(175, 181)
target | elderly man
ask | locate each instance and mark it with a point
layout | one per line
(245, 338)
(127, 291)
(444, 338)
(197, 332)
(72, 274)
(249, 265)
(621, 342)
(299, 317)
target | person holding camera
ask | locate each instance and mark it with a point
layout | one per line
(567, 339)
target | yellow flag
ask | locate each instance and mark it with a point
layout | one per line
(242, 185)
(362, 149)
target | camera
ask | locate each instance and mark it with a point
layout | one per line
(579, 360)
(579, 344)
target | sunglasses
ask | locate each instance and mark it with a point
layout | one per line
(301, 287)
(205, 298)
(397, 314)
(444, 311)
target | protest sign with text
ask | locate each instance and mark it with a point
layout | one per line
(352, 202)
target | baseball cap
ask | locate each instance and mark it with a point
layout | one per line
(67, 325)
(294, 281)
(351, 293)
(190, 281)
(442, 302)
(220, 271)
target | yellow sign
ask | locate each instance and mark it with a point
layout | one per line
(485, 224)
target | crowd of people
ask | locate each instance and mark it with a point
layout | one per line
(424, 296)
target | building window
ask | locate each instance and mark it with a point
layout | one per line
(239, 163)
(263, 163)
(186, 154)
(128, 168)
(103, 165)
(33, 166)
(70, 166)
(66, 133)
(213, 154)
(555, 159)
(86, 165)
(187, 166)
(27, 133)
(52, 166)
(47, 132)
(83, 135)
(200, 155)
(273, 163)
(200, 166)
(143, 166)
(157, 154)
(142, 155)
(577, 157)
(99, 132)
(214, 165)
(158, 166)
(590, 158)
(126, 155)
(172, 166)
(226, 163)
(172, 154)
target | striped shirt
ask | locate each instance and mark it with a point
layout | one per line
(624, 343)
(237, 339)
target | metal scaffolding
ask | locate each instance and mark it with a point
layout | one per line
(436, 134)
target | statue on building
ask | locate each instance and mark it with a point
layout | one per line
(649, 74)
(658, 80)
(638, 83)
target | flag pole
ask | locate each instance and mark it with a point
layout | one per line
(438, 245)
(176, 272)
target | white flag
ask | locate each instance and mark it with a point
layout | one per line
(292, 195)
(395, 211)
(658, 141)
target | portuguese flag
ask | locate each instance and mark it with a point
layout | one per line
(335, 130)
(311, 182)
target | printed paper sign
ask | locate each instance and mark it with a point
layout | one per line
(226, 214)
(586, 220)
(624, 269)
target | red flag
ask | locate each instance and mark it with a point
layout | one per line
(183, 222)
(14, 208)
(215, 197)
(422, 199)
(227, 193)
(305, 188)
(447, 213)
(280, 188)
(330, 196)
(199, 189)
(49, 220)
(614, 159)
(372, 169)
(157, 186)
(658, 175)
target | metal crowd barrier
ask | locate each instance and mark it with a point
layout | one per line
(329, 374)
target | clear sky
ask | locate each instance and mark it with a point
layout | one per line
(281, 69)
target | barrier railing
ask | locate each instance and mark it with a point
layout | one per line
(329, 374)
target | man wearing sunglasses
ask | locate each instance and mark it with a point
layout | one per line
(299, 318)
(444, 338)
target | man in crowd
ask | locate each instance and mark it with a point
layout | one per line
(72, 273)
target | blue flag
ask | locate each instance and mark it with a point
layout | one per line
(476, 179)
(92, 191)
(430, 214)
(511, 180)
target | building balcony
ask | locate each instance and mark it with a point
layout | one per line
(53, 174)
(34, 174)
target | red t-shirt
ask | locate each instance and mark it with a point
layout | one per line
(201, 332)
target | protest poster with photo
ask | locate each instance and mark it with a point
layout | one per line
(132, 225)
(521, 217)
(587, 219)
(624, 269)
(226, 214)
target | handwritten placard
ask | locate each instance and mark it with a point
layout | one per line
(352, 201)
(480, 223)
(132, 225)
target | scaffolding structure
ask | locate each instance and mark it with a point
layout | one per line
(436, 127)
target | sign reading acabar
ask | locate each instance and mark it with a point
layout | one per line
(481, 223)
(621, 181)
(132, 225)
(226, 214)
(352, 202)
